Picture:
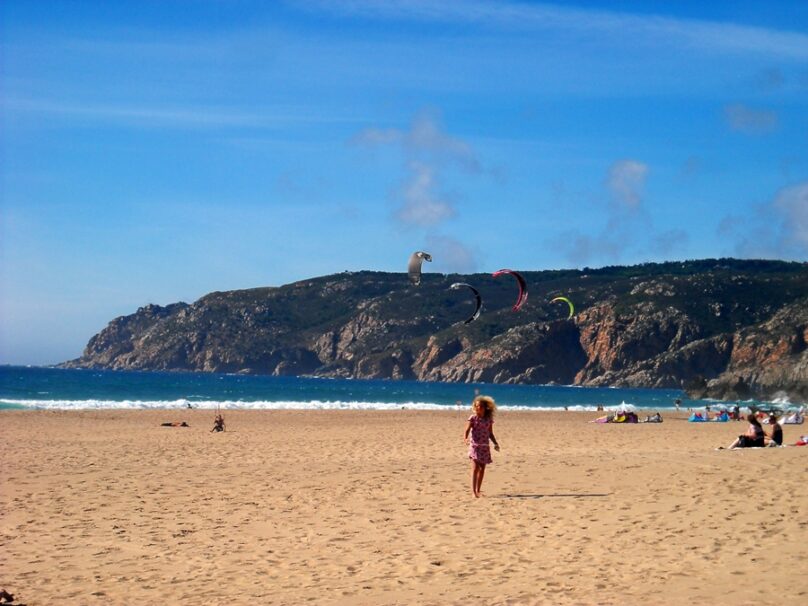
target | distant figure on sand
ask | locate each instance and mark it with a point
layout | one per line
(754, 436)
(480, 426)
(218, 423)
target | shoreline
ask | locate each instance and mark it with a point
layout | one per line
(17, 405)
(374, 507)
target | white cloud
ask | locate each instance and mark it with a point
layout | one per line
(792, 203)
(427, 135)
(650, 30)
(187, 117)
(626, 181)
(748, 120)
(427, 151)
(628, 231)
(379, 136)
(777, 229)
(451, 255)
(425, 140)
(423, 206)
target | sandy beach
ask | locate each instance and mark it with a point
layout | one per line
(345, 507)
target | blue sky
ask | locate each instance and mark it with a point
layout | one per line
(152, 152)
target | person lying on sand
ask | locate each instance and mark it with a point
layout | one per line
(796, 419)
(175, 424)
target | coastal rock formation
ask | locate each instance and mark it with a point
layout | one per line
(769, 360)
(718, 328)
(546, 352)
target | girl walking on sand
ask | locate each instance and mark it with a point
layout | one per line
(480, 426)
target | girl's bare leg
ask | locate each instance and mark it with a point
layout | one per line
(480, 475)
(474, 471)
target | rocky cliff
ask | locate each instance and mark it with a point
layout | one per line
(720, 328)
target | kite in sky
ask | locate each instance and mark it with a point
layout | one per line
(520, 300)
(414, 267)
(568, 302)
(476, 314)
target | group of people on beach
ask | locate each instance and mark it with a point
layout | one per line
(722, 414)
(627, 416)
(479, 435)
(756, 437)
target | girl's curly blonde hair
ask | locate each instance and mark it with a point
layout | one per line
(488, 404)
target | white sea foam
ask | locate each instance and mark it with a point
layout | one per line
(225, 404)
(274, 405)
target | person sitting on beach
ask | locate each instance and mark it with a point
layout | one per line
(776, 439)
(754, 437)
(480, 426)
(218, 423)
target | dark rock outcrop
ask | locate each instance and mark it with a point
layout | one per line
(768, 360)
(719, 328)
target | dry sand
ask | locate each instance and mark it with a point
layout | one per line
(344, 507)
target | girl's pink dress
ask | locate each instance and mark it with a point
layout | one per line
(479, 448)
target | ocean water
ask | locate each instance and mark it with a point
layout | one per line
(68, 389)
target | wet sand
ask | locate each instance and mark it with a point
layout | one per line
(344, 507)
